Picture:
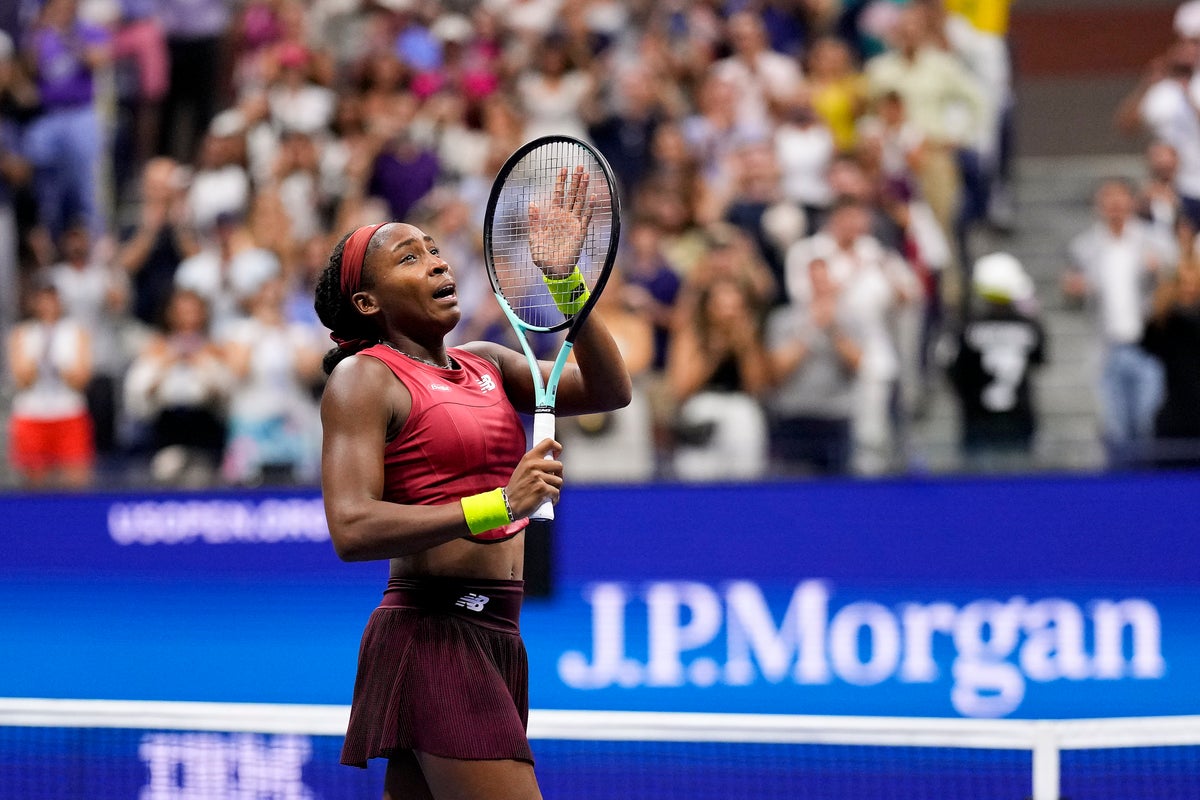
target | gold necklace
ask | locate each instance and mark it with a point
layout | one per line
(451, 363)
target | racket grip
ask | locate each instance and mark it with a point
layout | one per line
(543, 428)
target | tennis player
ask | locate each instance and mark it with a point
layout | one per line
(424, 463)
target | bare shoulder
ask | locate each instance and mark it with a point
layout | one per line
(356, 388)
(498, 354)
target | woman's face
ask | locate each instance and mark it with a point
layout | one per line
(187, 314)
(45, 305)
(726, 304)
(410, 288)
(829, 57)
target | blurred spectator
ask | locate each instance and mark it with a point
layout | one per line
(1159, 202)
(526, 19)
(227, 271)
(15, 173)
(925, 249)
(977, 33)
(221, 184)
(892, 150)
(301, 283)
(714, 130)
(755, 203)
(892, 147)
(297, 103)
(274, 429)
(1173, 335)
(50, 433)
(943, 102)
(804, 149)
(469, 61)
(669, 204)
(839, 90)
(815, 355)
(849, 178)
(404, 171)
(624, 132)
(554, 93)
(998, 349)
(269, 230)
(143, 77)
(176, 390)
(760, 77)
(650, 285)
(152, 251)
(194, 30)
(255, 30)
(1164, 103)
(1114, 264)
(297, 182)
(717, 368)
(875, 284)
(65, 142)
(95, 294)
(727, 252)
(617, 447)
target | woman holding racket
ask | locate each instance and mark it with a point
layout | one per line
(424, 463)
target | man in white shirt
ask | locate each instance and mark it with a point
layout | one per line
(229, 269)
(1113, 264)
(762, 76)
(1170, 110)
(874, 283)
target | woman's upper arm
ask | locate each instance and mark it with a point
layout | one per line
(354, 419)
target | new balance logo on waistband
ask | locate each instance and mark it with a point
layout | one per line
(472, 602)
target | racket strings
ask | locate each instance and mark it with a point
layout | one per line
(534, 181)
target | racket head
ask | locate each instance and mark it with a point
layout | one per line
(530, 176)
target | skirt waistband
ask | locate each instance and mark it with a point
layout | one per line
(494, 604)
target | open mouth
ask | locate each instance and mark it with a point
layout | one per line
(444, 292)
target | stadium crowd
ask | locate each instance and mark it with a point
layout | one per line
(800, 179)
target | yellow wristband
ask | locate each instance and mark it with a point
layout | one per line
(486, 511)
(570, 293)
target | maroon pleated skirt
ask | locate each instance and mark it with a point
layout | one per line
(442, 670)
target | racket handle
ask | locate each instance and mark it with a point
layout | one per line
(543, 428)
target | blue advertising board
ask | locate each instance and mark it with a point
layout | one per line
(1031, 597)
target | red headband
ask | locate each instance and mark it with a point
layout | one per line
(353, 255)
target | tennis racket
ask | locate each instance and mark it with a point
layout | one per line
(550, 236)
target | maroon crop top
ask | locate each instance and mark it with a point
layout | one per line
(462, 436)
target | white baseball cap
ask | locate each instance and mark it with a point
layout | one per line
(1000, 277)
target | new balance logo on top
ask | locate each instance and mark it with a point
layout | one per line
(486, 384)
(472, 602)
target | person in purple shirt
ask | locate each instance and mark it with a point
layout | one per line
(65, 142)
(404, 172)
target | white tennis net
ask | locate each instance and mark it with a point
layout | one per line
(52, 748)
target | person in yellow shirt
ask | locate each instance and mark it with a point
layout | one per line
(839, 90)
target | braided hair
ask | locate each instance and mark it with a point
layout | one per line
(338, 314)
